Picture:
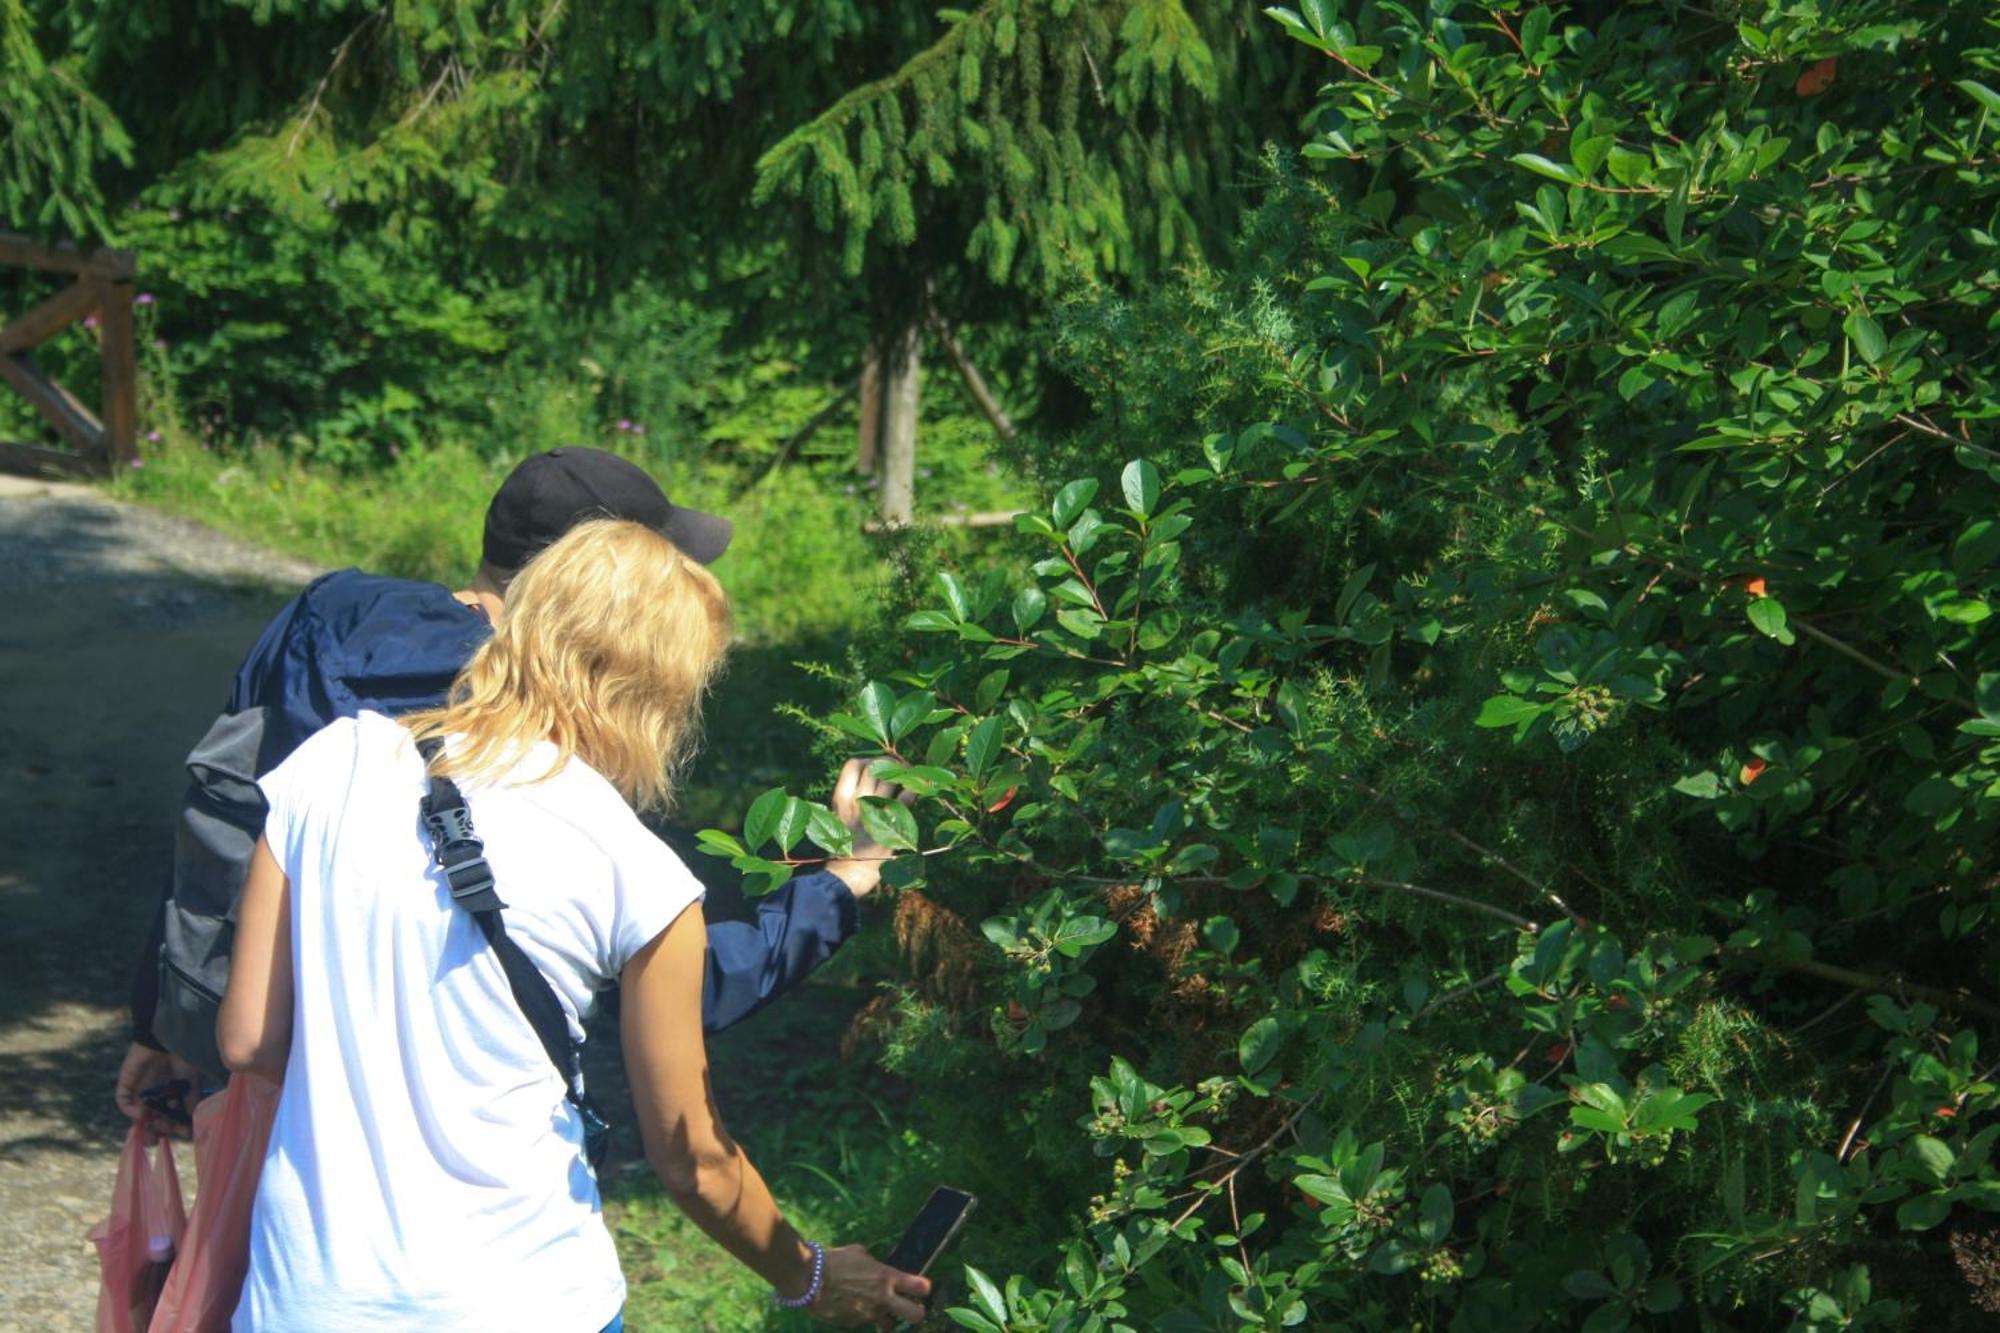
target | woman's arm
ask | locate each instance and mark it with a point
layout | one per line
(701, 1166)
(694, 1157)
(253, 1029)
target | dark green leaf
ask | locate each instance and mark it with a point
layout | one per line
(877, 702)
(982, 745)
(1029, 604)
(1078, 933)
(986, 1296)
(889, 822)
(825, 828)
(1980, 93)
(1141, 484)
(1506, 710)
(910, 711)
(1070, 501)
(1767, 615)
(1923, 1212)
(762, 820)
(1259, 1042)
(1540, 165)
(1866, 335)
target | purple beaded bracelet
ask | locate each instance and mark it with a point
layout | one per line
(812, 1291)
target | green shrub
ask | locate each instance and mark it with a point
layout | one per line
(1487, 821)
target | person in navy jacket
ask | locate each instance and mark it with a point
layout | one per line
(354, 641)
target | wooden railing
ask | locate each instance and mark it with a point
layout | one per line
(103, 285)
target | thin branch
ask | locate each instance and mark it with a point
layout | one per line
(1489, 854)
(975, 383)
(1928, 429)
(319, 91)
(1492, 978)
(1848, 650)
(1847, 1139)
(1827, 1013)
(805, 432)
(1864, 981)
(1456, 900)
(1239, 1163)
(1095, 82)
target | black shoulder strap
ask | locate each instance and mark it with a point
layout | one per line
(462, 856)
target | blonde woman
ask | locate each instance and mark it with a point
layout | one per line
(426, 1168)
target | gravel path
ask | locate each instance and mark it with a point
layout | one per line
(119, 628)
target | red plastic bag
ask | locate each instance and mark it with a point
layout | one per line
(231, 1130)
(137, 1243)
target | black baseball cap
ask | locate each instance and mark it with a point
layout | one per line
(548, 494)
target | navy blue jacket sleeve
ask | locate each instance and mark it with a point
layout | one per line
(751, 963)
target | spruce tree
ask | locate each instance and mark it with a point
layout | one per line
(826, 168)
(55, 134)
(1031, 145)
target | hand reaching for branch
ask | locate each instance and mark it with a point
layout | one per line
(861, 869)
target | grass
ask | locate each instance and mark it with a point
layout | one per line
(800, 566)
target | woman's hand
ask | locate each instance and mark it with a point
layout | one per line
(861, 868)
(143, 1069)
(859, 1291)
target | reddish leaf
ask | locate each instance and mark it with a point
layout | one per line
(1752, 770)
(1818, 79)
(1003, 802)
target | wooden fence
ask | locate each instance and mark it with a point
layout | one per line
(103, 285)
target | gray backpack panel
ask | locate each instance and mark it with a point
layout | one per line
(221, 818)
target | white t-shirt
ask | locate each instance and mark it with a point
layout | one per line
(425, 1170)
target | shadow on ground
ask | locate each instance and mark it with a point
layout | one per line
(112, 663)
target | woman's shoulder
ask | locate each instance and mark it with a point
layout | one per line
(329, 744)
(374, 734)
(583, 793)
(363, 740)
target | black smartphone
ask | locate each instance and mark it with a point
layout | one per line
(935, 1227)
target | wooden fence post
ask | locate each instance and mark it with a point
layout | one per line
(103, 282)
(120, 396)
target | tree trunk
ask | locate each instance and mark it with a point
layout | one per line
(901, 379)
(871, 413)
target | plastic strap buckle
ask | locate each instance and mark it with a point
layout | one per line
(451, 824)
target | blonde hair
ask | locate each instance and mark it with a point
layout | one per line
(610, 638)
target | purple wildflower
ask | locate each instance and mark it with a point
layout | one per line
(143, 298)
(152, 437)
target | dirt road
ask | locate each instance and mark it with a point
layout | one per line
(119, 629)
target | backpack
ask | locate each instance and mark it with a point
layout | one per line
(220, 820)
(349, 642)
